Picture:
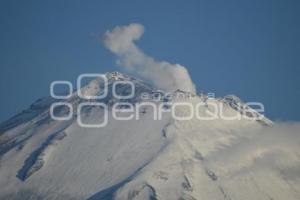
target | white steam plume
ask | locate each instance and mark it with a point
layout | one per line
(163, 74)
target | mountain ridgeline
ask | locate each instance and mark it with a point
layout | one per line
(144, 158)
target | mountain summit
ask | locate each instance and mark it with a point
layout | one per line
(146, 157)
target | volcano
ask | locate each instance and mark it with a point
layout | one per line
(166, 158)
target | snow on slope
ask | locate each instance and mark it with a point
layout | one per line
(146, 158)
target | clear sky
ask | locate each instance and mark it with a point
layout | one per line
(247, 48)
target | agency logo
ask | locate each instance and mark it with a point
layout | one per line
(207, 107)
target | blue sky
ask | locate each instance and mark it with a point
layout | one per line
(247, 48)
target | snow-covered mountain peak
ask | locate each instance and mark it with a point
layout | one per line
(165, 158)
(116, 75)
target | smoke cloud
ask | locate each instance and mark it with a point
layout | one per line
(163, 75)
